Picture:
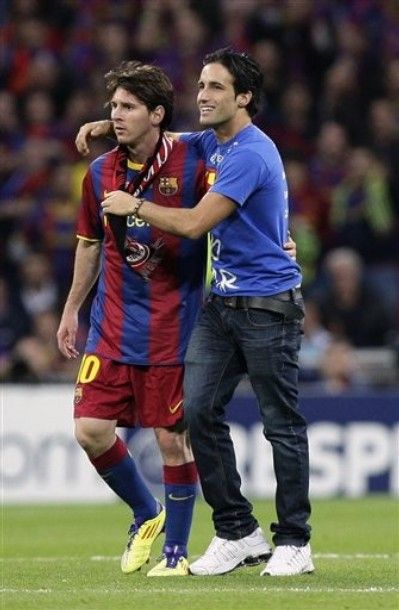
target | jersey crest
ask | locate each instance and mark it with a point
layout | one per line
(168, 186)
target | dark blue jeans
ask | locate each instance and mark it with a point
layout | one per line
(225, 345)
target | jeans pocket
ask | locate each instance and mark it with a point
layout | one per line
(262, 318)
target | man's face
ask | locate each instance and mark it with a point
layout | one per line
(132, 119)
(216, 99)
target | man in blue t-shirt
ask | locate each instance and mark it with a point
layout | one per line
(251, 323)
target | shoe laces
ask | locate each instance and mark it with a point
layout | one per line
(137, 523)
(173, 554)
(133, 530)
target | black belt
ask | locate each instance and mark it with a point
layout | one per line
(283, 303)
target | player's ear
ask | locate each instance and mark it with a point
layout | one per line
(157, 115)
(243, 99)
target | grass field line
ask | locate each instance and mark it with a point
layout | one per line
(343, 556)
(206, 589)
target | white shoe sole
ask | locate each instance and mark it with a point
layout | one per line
(245, 560)
(305, 570)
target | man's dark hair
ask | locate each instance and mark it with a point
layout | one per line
(148, 83)
(246, 73)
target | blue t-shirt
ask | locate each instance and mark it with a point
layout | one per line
(247, 247)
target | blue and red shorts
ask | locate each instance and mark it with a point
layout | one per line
(149, 396)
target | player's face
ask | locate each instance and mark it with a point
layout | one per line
(216, 99)
(132, 119)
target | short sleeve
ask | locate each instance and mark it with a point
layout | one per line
(240, 174)
(89, 224)
(200, 140)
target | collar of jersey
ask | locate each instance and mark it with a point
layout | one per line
(137, 166)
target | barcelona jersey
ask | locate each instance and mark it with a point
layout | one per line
(145, 318)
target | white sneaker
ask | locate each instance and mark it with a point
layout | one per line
(223, 555)
(289, 560)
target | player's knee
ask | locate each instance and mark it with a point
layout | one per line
(173, 445)
(90, 436)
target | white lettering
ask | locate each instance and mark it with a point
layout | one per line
(43, 462)
(325, 460)
(133, 221)
(367, 453)
(215, 248)
(224, 280)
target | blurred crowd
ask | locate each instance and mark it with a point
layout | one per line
(331, 103)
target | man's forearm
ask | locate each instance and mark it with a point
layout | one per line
(85, 273)
(178, 221)
(185, 222)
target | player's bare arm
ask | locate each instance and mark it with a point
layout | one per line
(100, 129)
(88, 131)
(86, 269)
(190, 223)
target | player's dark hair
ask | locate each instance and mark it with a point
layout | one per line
(246, 73)
(148, 83)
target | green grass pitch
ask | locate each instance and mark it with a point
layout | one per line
(67, 557)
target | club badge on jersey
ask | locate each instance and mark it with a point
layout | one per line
(168, 186)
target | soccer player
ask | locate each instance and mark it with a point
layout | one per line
(150, 287)
(251, 323)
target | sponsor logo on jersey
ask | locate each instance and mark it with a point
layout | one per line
(168, 186)
(137, 253)
(143, 258)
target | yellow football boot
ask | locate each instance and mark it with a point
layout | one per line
(141, 539)
(174, 563)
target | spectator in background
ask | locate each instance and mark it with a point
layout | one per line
(361, 215)
(316, 338)
(55, 225)
(340, 101)
(328, 164)
(11, 134)
(383, 139)
(231, 20)
(309, 216)
(293, 130)
(39, 292)
(22, 194)
(14, 324)
(349, 308)
(339, 369)
(39, 115)
(268, 55)
(36, 358)
(392, 85)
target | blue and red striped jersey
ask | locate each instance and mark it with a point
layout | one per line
(135, 319)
